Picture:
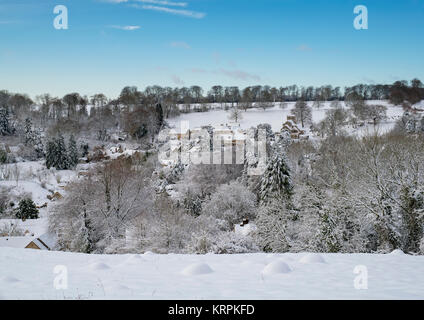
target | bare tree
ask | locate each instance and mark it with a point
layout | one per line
(302, 112)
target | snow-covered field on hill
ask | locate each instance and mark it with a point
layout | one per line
(29, 274)
(276, 116)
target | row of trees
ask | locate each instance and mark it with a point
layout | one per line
(73, 104)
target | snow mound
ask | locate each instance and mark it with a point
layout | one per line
(312, 258)
(276, 267)
(9, 279)
(397, 252)
(148, 253)
(99, 266)
(196, 269)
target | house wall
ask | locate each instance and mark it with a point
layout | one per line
(32, 245)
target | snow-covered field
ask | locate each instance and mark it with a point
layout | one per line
(29, 274)
(276, 116)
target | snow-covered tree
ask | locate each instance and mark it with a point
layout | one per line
(6, 126)
(33, 138)
(72, 153)
(273, 222)
(302, 112)
(57, 154)
(27, 210)
(28, 134)
(235, 114)
(230, 204)
(276, 181)
(412, 211)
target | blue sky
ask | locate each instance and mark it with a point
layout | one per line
(114, 43)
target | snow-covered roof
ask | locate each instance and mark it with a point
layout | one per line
(15, 242)
(48, 239)
(45, 242)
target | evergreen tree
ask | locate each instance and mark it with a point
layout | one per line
(6, 127)
(50, 154)
(159, 116)
(72, 153)
(29, 134)
(33, 138)
(276, 181)
(84, 150)
(412, 212)
(27, 209)
(327, 232)
(57, 154)
(62, 160)
(273, 222)
(38, 144)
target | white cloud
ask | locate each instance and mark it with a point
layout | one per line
(158, 2)
(186, 13)
(126, 28)
(115, 1)
(165, 3)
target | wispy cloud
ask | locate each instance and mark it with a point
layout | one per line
(126, 28)
(239, 75)
(177, 80)
(166, 6)
(158, 2)
(165, 3)
(180, 44)
(234, 74)
(186, 13)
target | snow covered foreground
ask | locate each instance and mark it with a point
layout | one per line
(29, 274)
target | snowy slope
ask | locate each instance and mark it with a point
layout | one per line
(37, 182)
(276, 116)
(29, 274)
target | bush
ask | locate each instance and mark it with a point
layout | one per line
(27, 209)
(233, 243)
(231, 203)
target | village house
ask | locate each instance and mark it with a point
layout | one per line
(44, 242)
(291, 127)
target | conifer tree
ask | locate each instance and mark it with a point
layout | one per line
(50, 154)
(57, 154)
(72, 153)
(276, 181)
(62, 160)
(6, 127)
(27, 209)
(29, 134)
